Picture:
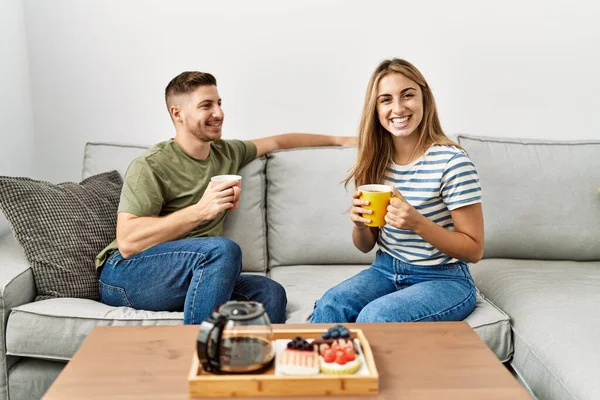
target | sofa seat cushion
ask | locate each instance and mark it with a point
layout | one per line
(54, 329)
(307, 283)
(553, 306)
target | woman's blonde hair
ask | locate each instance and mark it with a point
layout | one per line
(375, 144)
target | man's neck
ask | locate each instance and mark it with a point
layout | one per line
(192, 146)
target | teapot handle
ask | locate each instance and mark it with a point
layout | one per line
(211, 359)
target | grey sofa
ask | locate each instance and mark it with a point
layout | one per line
(539, 280)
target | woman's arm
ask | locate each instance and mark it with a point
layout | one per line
(365, 238)
(464, 243)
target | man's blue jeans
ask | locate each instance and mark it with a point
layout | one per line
(194, 275)
(394, 291)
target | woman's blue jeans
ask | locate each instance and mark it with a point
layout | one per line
(194, 275)
(394, 291)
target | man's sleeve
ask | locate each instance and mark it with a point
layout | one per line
(460, 183)
(244, 151)
(142, 192)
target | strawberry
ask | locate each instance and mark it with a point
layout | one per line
(349, 354)
(329, 356)
(340, 358)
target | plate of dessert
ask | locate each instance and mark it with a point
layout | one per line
(336, 352)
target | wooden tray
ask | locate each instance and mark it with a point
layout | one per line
(205, 384)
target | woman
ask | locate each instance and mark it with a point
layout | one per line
(434, 222)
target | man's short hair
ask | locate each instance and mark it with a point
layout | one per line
(187, 82)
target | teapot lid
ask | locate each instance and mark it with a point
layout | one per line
(241, 310)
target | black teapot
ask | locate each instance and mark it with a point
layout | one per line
(236, 338)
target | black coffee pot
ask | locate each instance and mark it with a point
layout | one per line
(236, 338)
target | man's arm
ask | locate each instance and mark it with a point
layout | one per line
(136, 234)
(294, 140)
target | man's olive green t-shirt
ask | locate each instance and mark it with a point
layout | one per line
(165, 179)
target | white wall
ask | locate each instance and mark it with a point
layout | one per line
(502, 68)
(16, 114)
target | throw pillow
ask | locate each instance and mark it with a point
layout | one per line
(62, 227)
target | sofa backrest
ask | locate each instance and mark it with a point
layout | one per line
(246, 225)
(307, 208)
(540, 198)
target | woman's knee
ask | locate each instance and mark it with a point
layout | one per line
(374, 313)
(333, 299)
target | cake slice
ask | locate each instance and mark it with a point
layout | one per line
(299, 358)
(338, 334)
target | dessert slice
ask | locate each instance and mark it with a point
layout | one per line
(339, 360)
(299, 358)
(338, 334)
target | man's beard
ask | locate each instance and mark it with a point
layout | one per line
(199, 133)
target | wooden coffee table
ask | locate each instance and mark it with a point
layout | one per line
(441, 360)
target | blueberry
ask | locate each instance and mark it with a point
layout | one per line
(335, 334)
(345, 333)
(297, 339)
(326, 335)
(290, 345)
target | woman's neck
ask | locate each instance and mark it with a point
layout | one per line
(405, 149)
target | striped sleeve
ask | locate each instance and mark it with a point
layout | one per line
(460, 183)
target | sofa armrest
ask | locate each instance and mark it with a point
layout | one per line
(16, 278)
(16, 288)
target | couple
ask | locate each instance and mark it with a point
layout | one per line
(169, 254)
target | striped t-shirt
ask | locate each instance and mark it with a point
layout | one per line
(443, 179)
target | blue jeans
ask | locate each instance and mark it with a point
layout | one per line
(394, 291)
(194, 275)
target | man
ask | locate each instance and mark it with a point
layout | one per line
(169, 254)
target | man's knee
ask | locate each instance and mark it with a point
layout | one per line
(218, 247)
(226, 246)
(274, 299)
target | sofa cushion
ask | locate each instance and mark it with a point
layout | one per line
(62, 228)
(553, 306)
(538, 196)
(54, 329)
(246, 225)
(307, 212)
(307, 283)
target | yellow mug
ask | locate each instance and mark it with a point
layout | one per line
(379, 197)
